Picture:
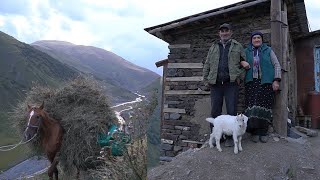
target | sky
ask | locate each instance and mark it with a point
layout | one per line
(114, 25)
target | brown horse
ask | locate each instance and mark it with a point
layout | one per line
(50, 132)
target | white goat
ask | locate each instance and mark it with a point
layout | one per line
(228, 125)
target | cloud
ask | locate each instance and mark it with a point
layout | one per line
(13, 7)
(313, 9)
(117, 26)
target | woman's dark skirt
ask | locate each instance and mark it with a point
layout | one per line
(259, 101)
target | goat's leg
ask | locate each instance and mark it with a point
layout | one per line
(235, 140)
(240, 147)
(218, 137)
(210, 140)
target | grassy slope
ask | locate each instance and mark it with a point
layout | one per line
(20, 66)
(7, 136)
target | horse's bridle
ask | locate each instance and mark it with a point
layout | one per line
(39, 119)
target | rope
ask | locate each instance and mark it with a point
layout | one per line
(13, 146)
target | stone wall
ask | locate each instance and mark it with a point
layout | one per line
(195, 43)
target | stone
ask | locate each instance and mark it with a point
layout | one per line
(185, 148)
(175, 116)
(166, 141)
(166, 116)
(276, 139)
(170, 153)
(165, 158)
(167, 127)
(170, 136)
(177, 148)
(166, 147)
(171, 72)
(184, 128)
(182, 137)
(162, 153)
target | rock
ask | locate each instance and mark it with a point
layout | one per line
(166, 141)
(307, 131)
(166, 147)
(276, 139)
(182, 137)
(177, 148)
(166, 158)
(184, 128)
(166, 116)
(175, 116)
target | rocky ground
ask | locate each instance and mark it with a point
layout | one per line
(280, 158)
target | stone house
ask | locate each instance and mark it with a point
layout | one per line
(186, 101)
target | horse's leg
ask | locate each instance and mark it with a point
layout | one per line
(50, 170)
(54, 166)
(56, 172)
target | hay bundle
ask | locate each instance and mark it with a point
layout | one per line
(83, 111)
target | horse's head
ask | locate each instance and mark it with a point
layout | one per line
(35, 117)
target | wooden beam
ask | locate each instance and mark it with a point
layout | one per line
(194, 142)
(174, 110)
(174, 46)
(193, 78)
(185, 65)
(280, 113)
(185, 92)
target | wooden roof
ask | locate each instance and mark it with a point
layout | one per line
(161, 63)
(297, 17)
(308, 35)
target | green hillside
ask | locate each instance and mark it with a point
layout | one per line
(99, 62)
(21, 66)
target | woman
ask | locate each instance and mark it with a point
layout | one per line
(262, 79)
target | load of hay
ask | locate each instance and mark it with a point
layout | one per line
(83, 110)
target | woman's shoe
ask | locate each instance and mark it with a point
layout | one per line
(255, 138)
(264, 139)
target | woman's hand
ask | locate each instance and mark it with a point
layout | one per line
(245, 64)
(275, 85)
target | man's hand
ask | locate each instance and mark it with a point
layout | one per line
(245, 64)
(275, 85)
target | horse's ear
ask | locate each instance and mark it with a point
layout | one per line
(42, 105)
(29, 107)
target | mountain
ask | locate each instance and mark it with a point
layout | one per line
(21, 65)
(99, 62)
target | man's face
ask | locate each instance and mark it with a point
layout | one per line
(225, 34)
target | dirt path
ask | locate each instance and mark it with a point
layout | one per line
(297, 159)
(27, 168)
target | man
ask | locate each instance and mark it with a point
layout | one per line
(222, 73)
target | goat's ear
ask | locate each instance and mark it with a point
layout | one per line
(237, 114)
(42, 105)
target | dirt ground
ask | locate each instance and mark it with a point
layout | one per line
(278, 159)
